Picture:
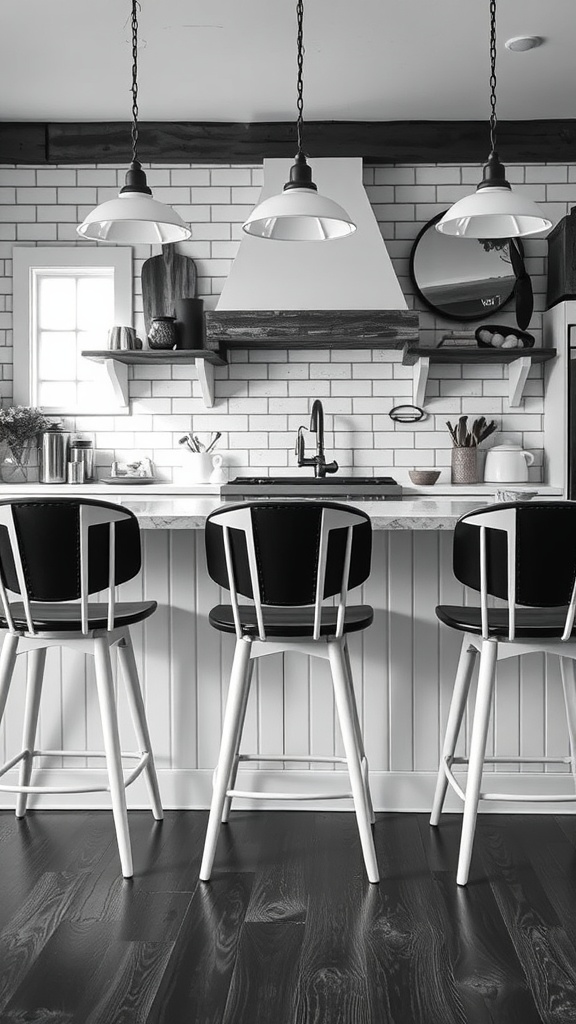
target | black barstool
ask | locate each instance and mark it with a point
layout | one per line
(287, 558)
(525, 554)
(59, 550)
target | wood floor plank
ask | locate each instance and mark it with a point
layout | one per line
(280, 891)
(263, 984)
(104, 894)
(197, 977)
(542, 946)
(333, 983)
(489, 978)
(411, 970)
(87, 972)
(24, 938)
(553, 857)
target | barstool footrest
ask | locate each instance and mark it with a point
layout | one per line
(143, 760)
(519, 797)
(256, 795)
(293, 757)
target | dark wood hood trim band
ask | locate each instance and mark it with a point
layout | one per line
(311, 328)
(378, 142)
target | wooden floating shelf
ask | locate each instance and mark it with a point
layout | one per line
(159, 355)
(311, 328)
(116, 362)
(474, 354)
(519, 361)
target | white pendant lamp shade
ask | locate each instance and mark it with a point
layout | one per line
(299, 215)
(494, 212)
(134, 217)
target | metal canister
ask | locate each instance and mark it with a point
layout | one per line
(83, 451)
(54, 457)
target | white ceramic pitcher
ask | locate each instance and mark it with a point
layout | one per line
(507, 464)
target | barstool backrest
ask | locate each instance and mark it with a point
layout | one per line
(522, 552)
(289, 554)
(63, 549)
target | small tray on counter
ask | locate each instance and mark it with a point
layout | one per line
(128, 480)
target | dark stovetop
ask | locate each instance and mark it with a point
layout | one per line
(373, 488)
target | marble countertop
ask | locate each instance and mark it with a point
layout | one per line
(186, 513)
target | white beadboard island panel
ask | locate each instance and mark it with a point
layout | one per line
(403, 667)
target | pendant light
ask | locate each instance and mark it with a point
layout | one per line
(299, 213)
(134, 216)
(494, 210)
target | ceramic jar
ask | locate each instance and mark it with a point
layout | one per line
(163, 332)
(507, 464)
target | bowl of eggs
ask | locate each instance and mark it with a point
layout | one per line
(503, 336)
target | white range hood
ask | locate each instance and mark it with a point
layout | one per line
(353, 273)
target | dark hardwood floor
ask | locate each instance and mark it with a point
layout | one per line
(288, 931)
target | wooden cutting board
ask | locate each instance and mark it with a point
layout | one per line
(165, 279)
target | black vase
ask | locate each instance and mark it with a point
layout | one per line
(190, 320)
(163, 332)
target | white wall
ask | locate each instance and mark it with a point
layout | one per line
(262, 397)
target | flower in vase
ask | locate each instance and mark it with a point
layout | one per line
(19, 426)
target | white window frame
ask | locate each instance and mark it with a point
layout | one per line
(29, 261)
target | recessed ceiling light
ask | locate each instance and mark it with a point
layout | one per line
(523, 42)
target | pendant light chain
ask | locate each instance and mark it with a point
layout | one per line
(300, 87)
(493, 118)
(135, 6)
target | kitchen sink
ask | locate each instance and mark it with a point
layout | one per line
(369, 488)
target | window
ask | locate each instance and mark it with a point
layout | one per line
(65, 300)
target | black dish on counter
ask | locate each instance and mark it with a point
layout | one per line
(524, 340)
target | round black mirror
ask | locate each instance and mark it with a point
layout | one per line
(461, 278)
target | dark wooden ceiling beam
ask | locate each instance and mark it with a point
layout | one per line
(378, 142)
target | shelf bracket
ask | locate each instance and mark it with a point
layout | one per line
(205, 371)
(117, 374)
(420, 380)
(518, 371)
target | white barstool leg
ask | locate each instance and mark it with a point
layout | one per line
(35, 673)
(343, 705)
(7, 661)
(105, 687)
(482, 708)
(455, 715)
(236, 761)
(138, 712)
(239, 680)
(358, 732)
(567, 669)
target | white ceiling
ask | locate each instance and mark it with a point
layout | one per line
(220, 60)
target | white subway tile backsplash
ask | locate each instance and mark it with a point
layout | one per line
(351, 387)
(262, 396)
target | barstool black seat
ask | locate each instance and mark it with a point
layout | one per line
(54, 554)
(287, 558)
(68, 617)
(523, 554)
(291, 622)
(530, 622)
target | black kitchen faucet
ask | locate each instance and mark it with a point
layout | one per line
(321, 467)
